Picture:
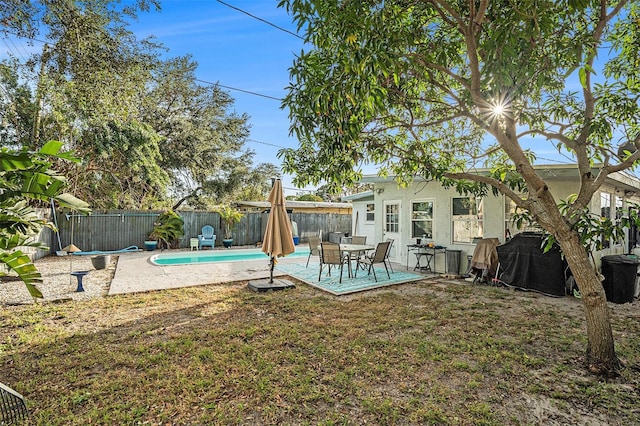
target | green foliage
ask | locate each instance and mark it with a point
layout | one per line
(412, 88)
(309, 197)
(229, 216)
(28, 176)
(168, 230)
(202, 148)
(592, 229)
(121, 166)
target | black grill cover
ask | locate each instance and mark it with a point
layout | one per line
(524, 265)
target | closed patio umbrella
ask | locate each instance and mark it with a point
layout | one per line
(278, 238)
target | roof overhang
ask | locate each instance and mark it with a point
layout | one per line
(360, 196)
(623, 180)
(297, 204)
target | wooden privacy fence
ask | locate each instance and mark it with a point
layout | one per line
(118, 229)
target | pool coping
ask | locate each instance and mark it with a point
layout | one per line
(182, 254)
(135, 273)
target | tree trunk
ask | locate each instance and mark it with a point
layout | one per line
(600, 357)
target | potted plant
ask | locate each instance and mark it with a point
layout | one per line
(167, 231)
(229, 217)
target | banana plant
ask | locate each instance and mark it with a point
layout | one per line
(27, 176)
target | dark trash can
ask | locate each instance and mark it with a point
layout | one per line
(619, 277)
(453, 261)
(335, 237)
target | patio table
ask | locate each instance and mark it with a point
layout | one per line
(350, 249)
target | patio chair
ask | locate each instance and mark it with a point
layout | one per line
(379, 256)
(13, 409)
(330, 255)
(386, 258)
(207, 237)
(314, 244)
(357, 240)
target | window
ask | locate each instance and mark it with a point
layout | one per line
(509, 211)
(467, 219)
(510, 228)
(605, 204)
(422, 219)
(619, 207)
(370, 215)
(392, 218)
(605, 212)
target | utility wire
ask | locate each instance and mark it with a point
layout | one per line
(20, 36)
(239, 90)
(260, 19)
(266, 143)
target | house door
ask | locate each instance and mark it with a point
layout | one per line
(392, 228)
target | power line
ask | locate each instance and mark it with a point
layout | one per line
(239, 90)
(300, 189)
(266, 143)
(21, 36)
(261, 20)
(17, 49)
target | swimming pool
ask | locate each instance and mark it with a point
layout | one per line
(217, 256)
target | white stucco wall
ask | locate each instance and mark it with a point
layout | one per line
(442, 227)
(494, 216)
(359, 222)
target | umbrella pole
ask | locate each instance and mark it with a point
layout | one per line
(271, 270)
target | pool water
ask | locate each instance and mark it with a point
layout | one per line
(217, 256)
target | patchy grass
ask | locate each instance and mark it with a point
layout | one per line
(426, 353)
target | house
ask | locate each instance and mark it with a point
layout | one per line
(427, 211)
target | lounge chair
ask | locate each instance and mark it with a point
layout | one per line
(207, 237)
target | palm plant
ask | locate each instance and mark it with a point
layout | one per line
(229, 217)
(28, 176)
(168, 230)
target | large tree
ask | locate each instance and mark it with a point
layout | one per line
(146, 130)
(203, 139)
(436, 88)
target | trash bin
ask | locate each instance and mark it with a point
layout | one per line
(453, 261)
(335, 237)
(619, 273)
(296, 240)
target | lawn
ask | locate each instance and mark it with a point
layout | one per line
(425, 353)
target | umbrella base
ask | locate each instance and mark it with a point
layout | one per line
(261, 286)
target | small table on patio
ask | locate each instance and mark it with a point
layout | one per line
(429, 254)
(354, 248)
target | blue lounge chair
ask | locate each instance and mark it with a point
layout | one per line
(207, 238)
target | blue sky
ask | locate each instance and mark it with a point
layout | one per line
(238, 51)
